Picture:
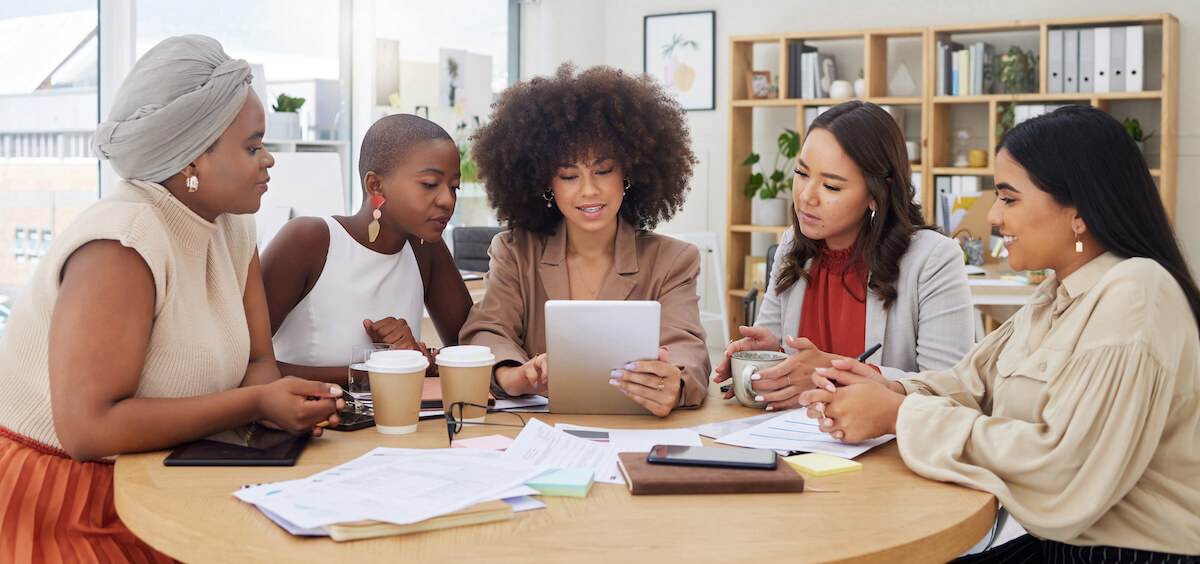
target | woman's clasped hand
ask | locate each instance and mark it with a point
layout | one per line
(852, 401)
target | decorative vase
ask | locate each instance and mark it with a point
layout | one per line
(860, 87)
(841, 89)
(283, 125)
(771, 211)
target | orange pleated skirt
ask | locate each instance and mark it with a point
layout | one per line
(56, 509)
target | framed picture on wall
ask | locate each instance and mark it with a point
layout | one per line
(679, 50)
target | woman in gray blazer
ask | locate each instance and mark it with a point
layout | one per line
(859, 266)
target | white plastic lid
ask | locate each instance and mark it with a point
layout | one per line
(465, 356)
(399, 362)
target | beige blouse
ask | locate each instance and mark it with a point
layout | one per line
(1081, 413)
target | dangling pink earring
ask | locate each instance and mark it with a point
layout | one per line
(373, 228)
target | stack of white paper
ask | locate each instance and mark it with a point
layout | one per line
(392, 485)
(792, 431)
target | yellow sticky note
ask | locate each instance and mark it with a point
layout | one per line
(822, 464)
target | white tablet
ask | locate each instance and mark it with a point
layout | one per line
(585, 341)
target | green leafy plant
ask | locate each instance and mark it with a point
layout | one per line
(769, 186)
(470, 171)
(1018, 73)
(285, 103)
(1134, 127)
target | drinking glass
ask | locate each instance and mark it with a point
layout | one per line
(360, 382)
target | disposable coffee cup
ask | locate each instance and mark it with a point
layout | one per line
(397, 378)
(466, 374)
(743, 365)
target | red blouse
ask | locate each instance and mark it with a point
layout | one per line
(834, 313)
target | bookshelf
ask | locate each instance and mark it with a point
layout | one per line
(877, 52)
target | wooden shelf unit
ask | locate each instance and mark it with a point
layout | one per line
(936, 123)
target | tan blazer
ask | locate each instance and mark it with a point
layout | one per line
(527, 269)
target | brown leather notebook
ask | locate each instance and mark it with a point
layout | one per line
(644, 478)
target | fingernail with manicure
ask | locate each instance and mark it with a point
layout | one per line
(756, 376)
(616, 374)
(631, 366)
(335, 390)
(758, 398)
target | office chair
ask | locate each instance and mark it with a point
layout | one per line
(471, 246)
(750, 300)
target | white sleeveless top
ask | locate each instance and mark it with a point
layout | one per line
(356, 283)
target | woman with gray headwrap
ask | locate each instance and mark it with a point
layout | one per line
(146, 324)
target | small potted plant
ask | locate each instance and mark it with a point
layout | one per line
(1134, 127)
(1018, 73)
(768, 208)
(284, 122)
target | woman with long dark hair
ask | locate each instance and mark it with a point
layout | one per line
(1082, 412)
(859, 266)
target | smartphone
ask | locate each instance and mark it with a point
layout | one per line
(352, 421)
(725, 457)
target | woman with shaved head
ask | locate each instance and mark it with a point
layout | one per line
(340, 281)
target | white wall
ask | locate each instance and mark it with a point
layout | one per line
(610, 32)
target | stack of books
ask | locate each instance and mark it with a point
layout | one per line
(810, 72)
(965, 70)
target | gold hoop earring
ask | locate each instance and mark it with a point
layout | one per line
(549, 197)
(872, 217)
(193, 183)
(627, 184)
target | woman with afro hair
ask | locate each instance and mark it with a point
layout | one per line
(581, 167)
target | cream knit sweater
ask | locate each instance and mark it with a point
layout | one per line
(199, 343)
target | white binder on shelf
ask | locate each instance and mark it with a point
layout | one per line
(940, 75)
(1134, 46)
(1102, 60)
(1116, 65)
(1054, 59)
(1070, 60)
(1087, 68)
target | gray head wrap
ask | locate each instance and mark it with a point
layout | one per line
(177, 100)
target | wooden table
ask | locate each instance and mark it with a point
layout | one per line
(997, 303)
(884, 513)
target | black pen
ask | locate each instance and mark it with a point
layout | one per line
(867, 354)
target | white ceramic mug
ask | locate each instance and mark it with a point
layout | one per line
(743, 365)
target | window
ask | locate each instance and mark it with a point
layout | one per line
(446, 61)
(48, 113)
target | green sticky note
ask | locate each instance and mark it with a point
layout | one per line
(568, 482)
